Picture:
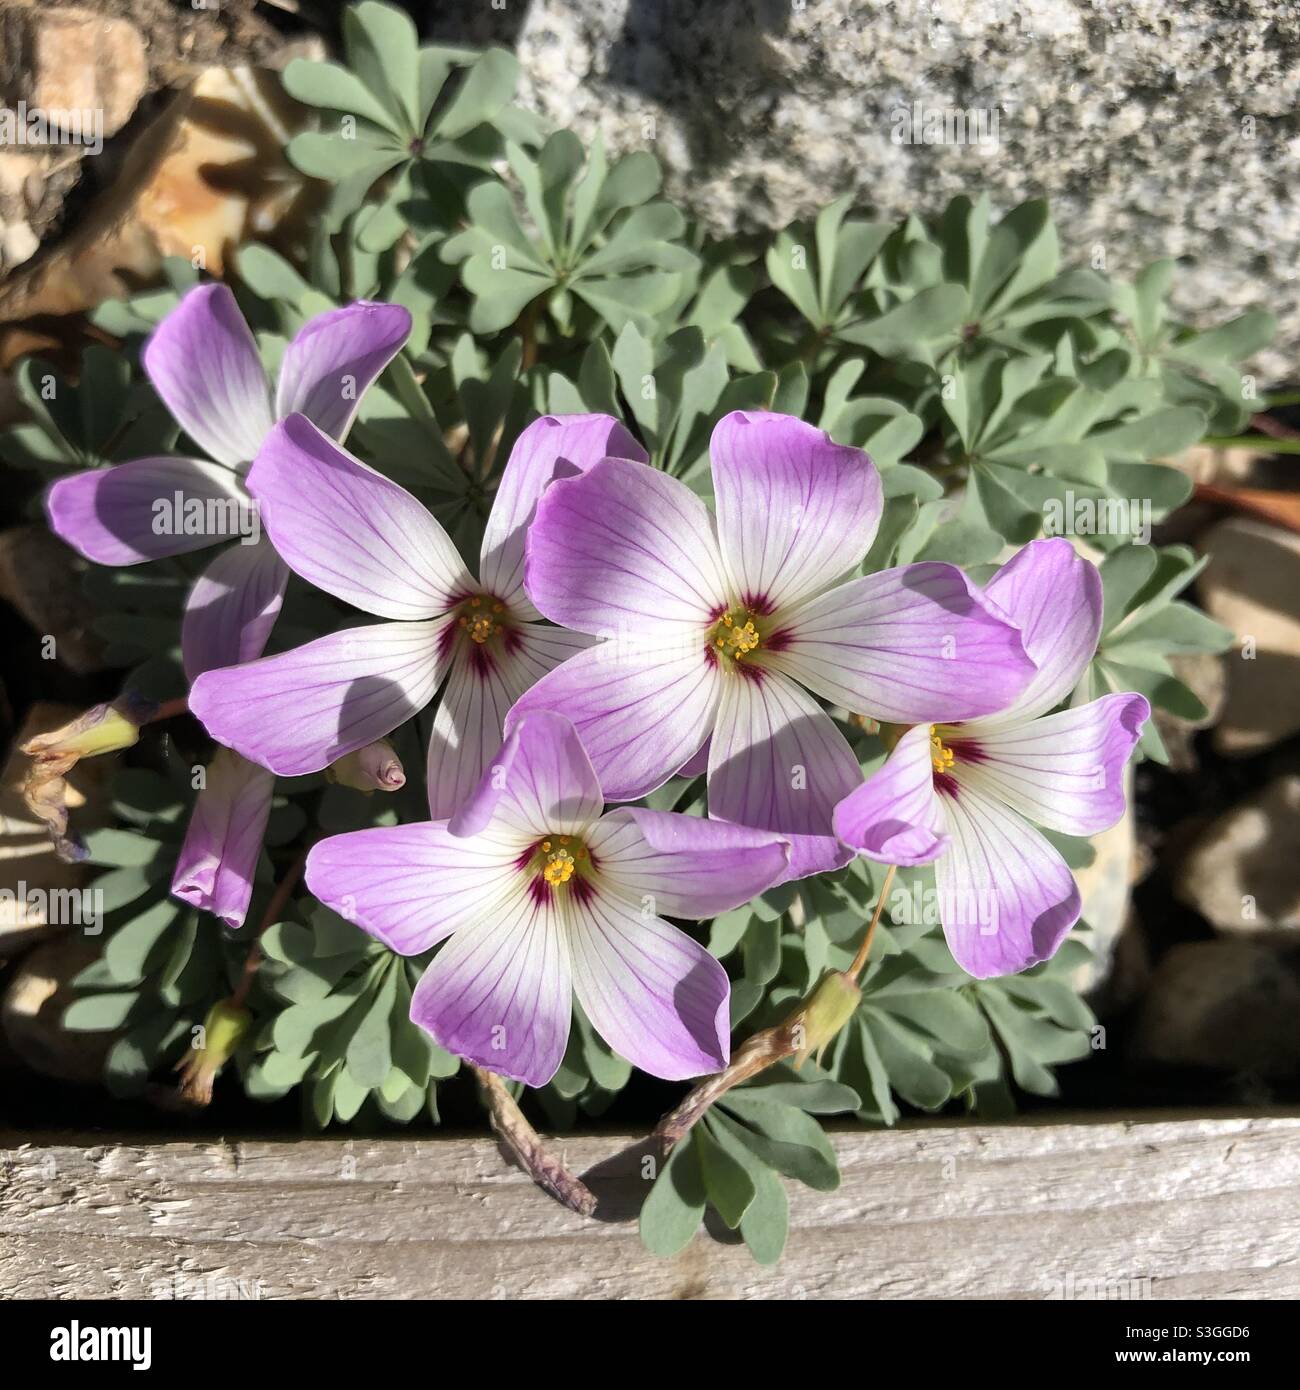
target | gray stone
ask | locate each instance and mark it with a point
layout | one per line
(1156, 129)
(1233, 1006)
(1252, 585)
(1241, 874)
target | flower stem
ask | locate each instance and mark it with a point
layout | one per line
(272, 914)
(528, 1147)
(169, 709)
(860, 960)
(809, 1029)
(528, 334)
(754, 1055)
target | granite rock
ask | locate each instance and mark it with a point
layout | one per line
(1155, 129)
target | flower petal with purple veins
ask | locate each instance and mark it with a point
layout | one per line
(349, 530)
(657, 998)
(411, 886)
(334, 357)
(1064, 771)
(796, 511)
(500, 992)
(299, 711)
(697, 764)
(542, 783)
(685, 866)
(484, 682)
(1054, 596)
(917, 644)
(894, 817)
(552, 447)
(203, 362)
(624, 550)
(218, 858)
(642, 711)
(778, 763)
(230, 611)
(111, 515)
(1006, 897)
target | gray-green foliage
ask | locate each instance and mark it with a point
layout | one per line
(338, 1026)
(997, 384)
(162, 964)
(733, 1160)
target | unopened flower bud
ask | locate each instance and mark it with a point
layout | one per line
(827, 1009)
(103, 729)
(222, 1031)
(374, 768)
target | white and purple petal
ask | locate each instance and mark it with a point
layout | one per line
(552, 447)
(895, 817)
(334, 357)
(484, 682)
(500, 992)
(1006, 897)
(349, 530)
(299, 711)
(411, 886)
(230, 611)
(777, 762)
(917, 644)
(796, 511)
(203, 362)
(1065, 770)
(685, 866)
(641, 710)
(136, 511)
(218, 858)
(624, 550)
(541, 783)
(1053, 595)
(657, 998)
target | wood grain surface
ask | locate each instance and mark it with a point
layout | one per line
(1154, 1207)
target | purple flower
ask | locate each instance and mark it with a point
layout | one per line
(204, 363)
(720, 635)
(544, 897)
(352, 532)
(963, 794)
(218, 860)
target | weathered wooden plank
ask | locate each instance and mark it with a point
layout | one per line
(1201, 1207)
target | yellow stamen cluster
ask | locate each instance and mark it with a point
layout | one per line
(733, 638)
(480, 622)
(561, 861)
(941, 756)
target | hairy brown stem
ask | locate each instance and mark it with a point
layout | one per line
(169, 709)
(1275, 429)
(755, 1055)
(527, 1146)
(810, 1028)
